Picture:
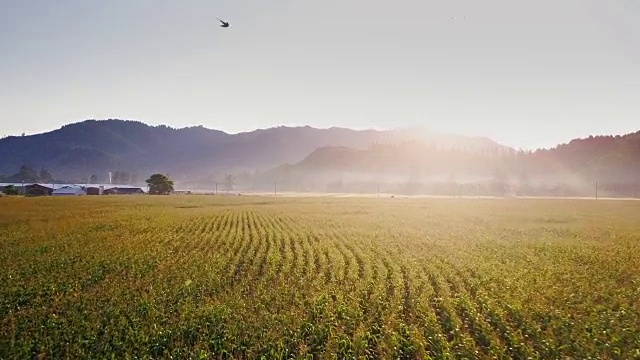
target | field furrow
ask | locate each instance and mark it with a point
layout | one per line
(226, 277)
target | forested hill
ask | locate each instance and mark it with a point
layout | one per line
(604, 158)
(570, 169)
(310, 159)
(601, 157)
(80, 150)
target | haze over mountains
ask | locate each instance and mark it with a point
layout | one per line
(81, 149)
(411, 161)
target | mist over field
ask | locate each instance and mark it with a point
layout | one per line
(361, 179)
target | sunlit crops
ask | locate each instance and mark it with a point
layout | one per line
(244, 277)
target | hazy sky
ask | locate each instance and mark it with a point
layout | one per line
(526, 73)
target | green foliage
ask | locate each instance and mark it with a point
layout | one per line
(159, 184)
(29, 175)
(11, 190)
(320, 278)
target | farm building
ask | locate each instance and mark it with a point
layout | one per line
(122, 190)
(40, 189)
(107, 189)
(74, 189)
(69, 190)
(95, 190)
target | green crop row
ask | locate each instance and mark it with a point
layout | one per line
(318, 278)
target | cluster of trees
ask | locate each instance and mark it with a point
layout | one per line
(421, 168)
(11, 190)
(28, 174)
(160, 184)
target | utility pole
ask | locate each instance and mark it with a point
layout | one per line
(216, 188)
(275, 189)
(378, 190)
(596, 190)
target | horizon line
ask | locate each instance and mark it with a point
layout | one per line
(297, 126)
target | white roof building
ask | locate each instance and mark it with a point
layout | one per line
(69, 190)
(74, 189)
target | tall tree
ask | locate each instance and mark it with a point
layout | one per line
(159, 184)
(45, 175)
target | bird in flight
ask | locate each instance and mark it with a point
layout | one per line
(224, 23)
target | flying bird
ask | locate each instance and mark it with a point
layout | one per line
(224, 23)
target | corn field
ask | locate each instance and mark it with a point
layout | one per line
(318, 278)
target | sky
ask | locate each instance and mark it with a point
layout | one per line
(528, 74)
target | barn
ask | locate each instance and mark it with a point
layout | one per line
(95, 190)
(40, 189)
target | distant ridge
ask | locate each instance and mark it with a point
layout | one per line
(306, 158)
(81, 149)
(608, 164)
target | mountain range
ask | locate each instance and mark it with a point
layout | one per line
(98, 147)
(311, 159)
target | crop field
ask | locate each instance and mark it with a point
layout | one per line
(318, 278)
